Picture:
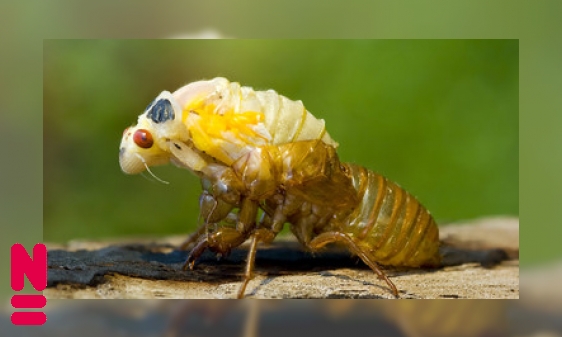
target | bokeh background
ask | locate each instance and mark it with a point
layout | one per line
(440, 117)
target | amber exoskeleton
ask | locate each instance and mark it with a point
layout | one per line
(259, 150)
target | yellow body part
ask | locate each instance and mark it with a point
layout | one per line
(211, 131)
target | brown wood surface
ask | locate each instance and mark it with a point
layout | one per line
(480, 261)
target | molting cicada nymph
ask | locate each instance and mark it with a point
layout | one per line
(259, 150)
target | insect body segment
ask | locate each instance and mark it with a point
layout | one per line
(259, 150)
(391, 223)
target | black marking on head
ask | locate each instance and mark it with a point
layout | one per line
(161, 111)
(177, 146)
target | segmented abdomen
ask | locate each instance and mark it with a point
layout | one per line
(390, 223)
(286, 120)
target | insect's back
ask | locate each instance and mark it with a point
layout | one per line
(390, 223)
(285, 119)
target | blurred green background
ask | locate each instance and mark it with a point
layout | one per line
(440, 117)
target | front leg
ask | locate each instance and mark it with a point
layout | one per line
(212, 211)
(224, 239)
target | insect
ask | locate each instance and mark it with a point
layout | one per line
(259, 150)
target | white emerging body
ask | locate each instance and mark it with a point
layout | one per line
(214, 122)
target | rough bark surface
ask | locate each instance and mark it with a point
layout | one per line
(481, 260)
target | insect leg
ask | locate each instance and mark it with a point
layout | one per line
(213, 211)
(247, 216)
(225, 238)
(329, 237)
(250, 262)
(247, 221)
(195, 253)
(272, 222)
(222, 241)
(259, 235)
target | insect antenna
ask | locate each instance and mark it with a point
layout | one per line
(149, 171)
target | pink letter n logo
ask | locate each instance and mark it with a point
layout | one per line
(36, 270)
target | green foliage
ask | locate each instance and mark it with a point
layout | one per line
(440, 117)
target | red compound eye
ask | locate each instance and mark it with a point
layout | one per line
(143, 138)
